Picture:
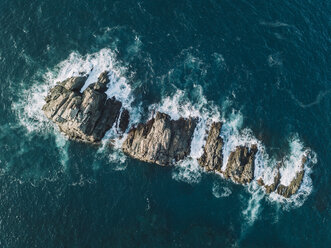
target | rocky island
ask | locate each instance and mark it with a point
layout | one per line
(85, 116)
(88, 115)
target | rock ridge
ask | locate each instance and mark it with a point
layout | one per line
(88, 115)
(161, 140)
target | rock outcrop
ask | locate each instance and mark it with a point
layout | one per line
(293, 187)
(240, 165)
(88, 115)
(212, 157)
(161, 140)
(83, 116)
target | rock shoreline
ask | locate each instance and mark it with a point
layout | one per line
(88, 115)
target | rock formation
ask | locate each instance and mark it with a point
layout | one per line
(212, 157)
(161, 140)
(83, 116)
(293, 187)
(88, 115)
(240, 165)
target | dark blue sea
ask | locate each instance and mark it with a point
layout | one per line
(262, 67)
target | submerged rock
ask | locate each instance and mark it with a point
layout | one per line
(212, 157)
(161, 140)
(240, 166)
(83, 116)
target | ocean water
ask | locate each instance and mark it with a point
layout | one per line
(262, 67)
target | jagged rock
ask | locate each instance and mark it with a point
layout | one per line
(293, 187)
(124, 120)
(83, 116)
(212, 157)
(161, 140)
(240, 166)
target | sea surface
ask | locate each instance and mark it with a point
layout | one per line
(262, 67)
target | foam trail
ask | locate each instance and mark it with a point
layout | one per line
(252, 211)
(62, 145)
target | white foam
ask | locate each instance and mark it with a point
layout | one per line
(219, 191)
(92, 65)
(28, 108)
(252, 212)
(188, 171)
(292, 163)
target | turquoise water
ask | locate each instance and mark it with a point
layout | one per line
(261, 66)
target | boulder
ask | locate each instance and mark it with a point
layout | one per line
(83, 116)
(161, 140)
(240, 165)
(212, 157)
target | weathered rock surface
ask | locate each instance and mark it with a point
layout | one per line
(293, 187)
(240, 165)
(212, 157)
(161, 140)
(82, 116)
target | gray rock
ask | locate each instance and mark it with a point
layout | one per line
(73, 83)
(212, 157)
(161, 140)
(82, 116)
(240, 165)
